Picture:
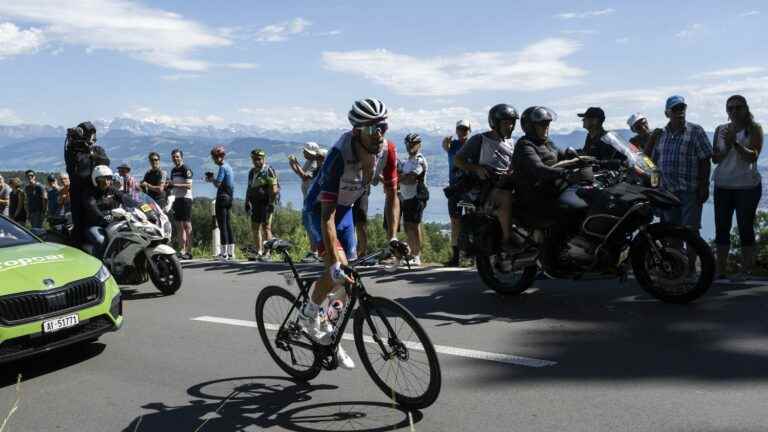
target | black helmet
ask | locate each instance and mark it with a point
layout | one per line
(536, 114)
(501, 112)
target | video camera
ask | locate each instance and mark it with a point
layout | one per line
(79, 137)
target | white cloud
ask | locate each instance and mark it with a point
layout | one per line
(151, 35)
(622, 40)
(690, 31)
(15, 41)
(740, 71)
(750, 13)
(8, 117)
(146, 114)
(587, 14)
(282, 31)
(537, 67)
(329, 33)
(243, 66)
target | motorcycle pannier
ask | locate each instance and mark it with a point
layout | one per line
(480, 234)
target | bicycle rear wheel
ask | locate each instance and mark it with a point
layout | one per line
(397, 353)
(287, 346)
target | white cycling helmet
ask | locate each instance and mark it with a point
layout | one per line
(367, 112)
(100, 171)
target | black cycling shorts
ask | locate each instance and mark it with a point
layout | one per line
(182, 210)
(412, 209)
(261, 213)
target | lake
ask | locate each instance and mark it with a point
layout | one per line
(437, 208)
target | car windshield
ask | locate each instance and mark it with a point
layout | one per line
(12, 235)
(634, 155)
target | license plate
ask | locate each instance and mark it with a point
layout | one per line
(59, 323)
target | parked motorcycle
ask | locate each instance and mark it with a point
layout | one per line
(137, 245)
(604, 226)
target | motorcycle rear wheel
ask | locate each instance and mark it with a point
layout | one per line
(674, 280)
(512, 283)
(169, 276)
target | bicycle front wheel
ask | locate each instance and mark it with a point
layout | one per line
(397, 353)
(287, 345)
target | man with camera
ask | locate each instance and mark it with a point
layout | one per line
(81, 155)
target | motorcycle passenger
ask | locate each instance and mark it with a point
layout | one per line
(106, 197)
(489, 156)
(535, 153)
(81, 155)
(594, 145)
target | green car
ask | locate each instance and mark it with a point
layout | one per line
(51, 295)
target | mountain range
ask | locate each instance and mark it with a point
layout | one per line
(40, 147)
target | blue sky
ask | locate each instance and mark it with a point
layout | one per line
(300, 65)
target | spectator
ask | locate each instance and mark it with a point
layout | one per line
(181, 186)
(17, 205)
(54, 209)
(314, 157)
(638, 124)
(64, 198)
(682, 151)
(128, 184)
(37, 200)
(260, 200)
(225, 191)
(594, 145)
(5, 196)
(413, 193)
(452, 146)
(155, 180)
(738, 184)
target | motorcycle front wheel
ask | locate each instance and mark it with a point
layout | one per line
(505, 282)
(168, 277)
(678, 268)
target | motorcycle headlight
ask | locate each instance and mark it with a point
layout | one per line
(103, 274)
(654, 179)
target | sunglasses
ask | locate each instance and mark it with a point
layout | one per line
(735, 107)
(678, 108)
(154, 160)
(373, 129)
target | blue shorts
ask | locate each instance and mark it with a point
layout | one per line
(345, 232)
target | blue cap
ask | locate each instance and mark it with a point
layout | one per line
(674, 100)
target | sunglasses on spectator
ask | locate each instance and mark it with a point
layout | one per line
(154, 160)
(735, 107)
(373, 129)
(679, 108)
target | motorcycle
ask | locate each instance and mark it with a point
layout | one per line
(137, 245)
(605, 225)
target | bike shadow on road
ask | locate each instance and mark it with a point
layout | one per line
(253, 403)
(45, 363)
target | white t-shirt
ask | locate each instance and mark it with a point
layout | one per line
(5, 194)
(416, 164)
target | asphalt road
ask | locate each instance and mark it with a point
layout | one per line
(610, 359)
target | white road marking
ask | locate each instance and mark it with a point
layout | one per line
(442, 349)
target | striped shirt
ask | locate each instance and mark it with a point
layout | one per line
(678, 154)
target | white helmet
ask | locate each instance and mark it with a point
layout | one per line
(634, 118)
(100, 171)
(367, 112)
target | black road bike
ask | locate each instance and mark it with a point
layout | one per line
(393, 347)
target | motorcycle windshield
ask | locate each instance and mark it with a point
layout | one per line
(634, 155)
(143, 203)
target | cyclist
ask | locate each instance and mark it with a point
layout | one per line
(361, 157)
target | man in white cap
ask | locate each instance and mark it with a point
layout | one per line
(314, 156)
(452, 146)
(638, 123)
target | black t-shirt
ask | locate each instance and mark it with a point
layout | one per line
(595, 147)
(155, 178)
(181, 174)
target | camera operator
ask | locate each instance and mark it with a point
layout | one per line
(81, 155)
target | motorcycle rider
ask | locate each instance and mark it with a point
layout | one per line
(81, 155)
(489, 157)
(595, 145)
(106, 197)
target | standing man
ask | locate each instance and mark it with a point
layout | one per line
(5, 196)
(594, 145)
(37, 200)
(54, 208)
(314, 157)
(414, 194)
(181, 187)
(452, 146)
(260, 200)
(638, 124)
(683, 152)
(155, 180)
(81, 155)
